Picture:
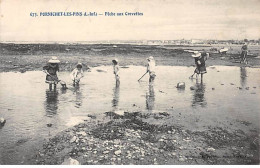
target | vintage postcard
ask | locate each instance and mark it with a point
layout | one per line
(129, 82)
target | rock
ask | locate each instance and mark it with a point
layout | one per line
(182, 159)
(222, 58)
(105, 152)
(70, 161)
(83, 133)
(2, 121)
(90, 161)
(213, 88)
(249, 155)
(92, 116)
(22, 70)
(192, 88)
(49, 125)
(119, 112)
(240, 88)
(73, 139)
(118, 152)
(173, 154)
(88, 148)
(247, 88)
(210, 149)
(83, 149)
(199, 148)
(164, 114)
(187, 140)
(83, 141)
(181, 85)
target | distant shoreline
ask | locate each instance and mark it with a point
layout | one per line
(31, 57)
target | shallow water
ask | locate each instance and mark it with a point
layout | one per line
(28, 106)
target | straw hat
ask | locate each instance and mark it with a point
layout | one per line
(115, 60)
(54, 60)
(196, 54)
(150, 58)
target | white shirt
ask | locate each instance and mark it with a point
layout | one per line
(151, 66)
(76, 74)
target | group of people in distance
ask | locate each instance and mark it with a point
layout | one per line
(52, 69)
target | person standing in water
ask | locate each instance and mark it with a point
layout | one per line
(200, 59)
(116, 71)
(77, 74)
(243, 56)
(151, 68)
(52, 69)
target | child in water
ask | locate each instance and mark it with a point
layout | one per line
(116, 70)
(77, 74)
(52, 69)
(200, 59)
(151, 68)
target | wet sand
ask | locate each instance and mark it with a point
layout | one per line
(137, 137)
(29, 57)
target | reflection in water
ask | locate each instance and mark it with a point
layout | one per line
(51, 103)
(78, 97)
(115, 97)
(243, 76)
(150, 98)
(198, 95)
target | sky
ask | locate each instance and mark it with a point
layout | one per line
(161, 20)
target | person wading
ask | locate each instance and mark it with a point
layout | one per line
(116, 71)
(243, 56)
(77, 74)
(200, 59)
(52, 69)
(151, 68)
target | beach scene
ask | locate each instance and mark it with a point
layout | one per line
(155, 86)
(214, 121)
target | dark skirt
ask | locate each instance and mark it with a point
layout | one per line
(52, 79)
(200, 70)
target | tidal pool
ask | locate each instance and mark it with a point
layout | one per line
(227, 94)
